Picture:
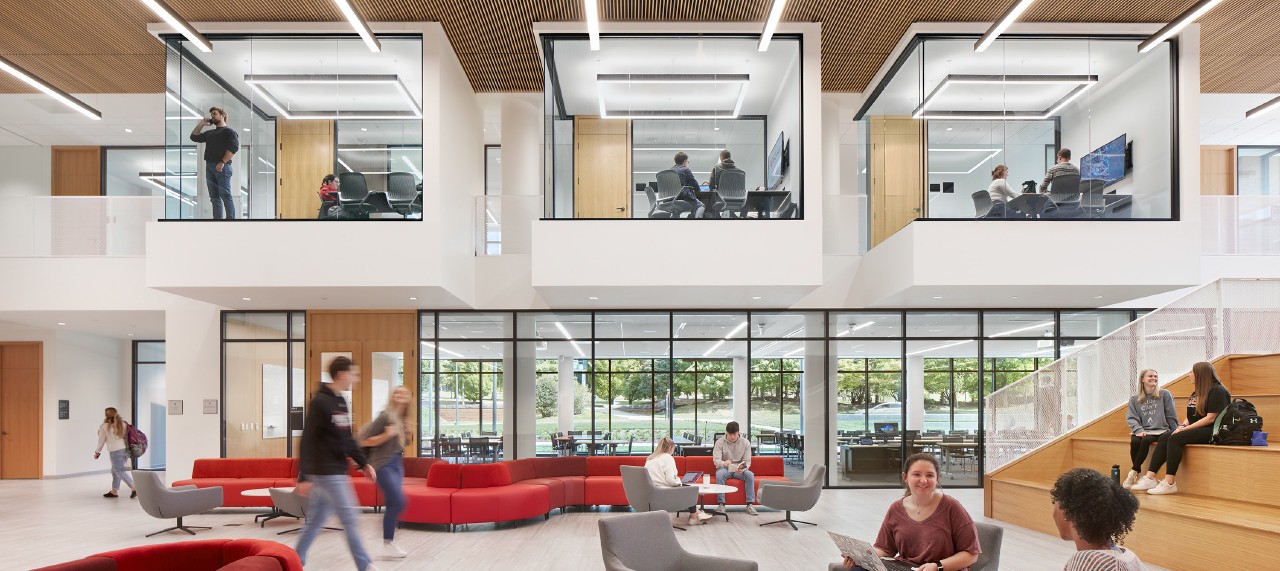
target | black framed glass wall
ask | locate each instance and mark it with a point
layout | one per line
(313, 102)
(463, 385)
(263, 383)
(614, 122)
(149, 404)
(1257, 170)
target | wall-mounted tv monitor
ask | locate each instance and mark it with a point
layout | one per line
(1105, 163)
(777, 161)
(889, 428)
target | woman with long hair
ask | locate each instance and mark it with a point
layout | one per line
(1000, 193)
(1151, 413)
(1092, 511)
(662, 470)
(1204, 407)
(112, 434)
(926, 528)
(388, 435)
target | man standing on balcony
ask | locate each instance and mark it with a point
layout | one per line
(220, 144)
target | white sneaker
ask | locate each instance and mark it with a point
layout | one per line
(693, 520)
(392, 551)
(1163, 489)
(1144, 483)
(751, 510)
(720, 508)
(1130, 480)
(704, 516)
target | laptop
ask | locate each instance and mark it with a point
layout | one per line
(865, 556)
(691, 478)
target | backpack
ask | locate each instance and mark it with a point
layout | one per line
(1235, 426)
(137, 441)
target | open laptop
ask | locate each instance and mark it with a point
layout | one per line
(691, 478)
(865, 556)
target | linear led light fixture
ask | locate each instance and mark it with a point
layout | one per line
(794, 352)
(1172, 28)
(256, 82)
(1082, 83)
(1010, 16)
(376, 149)
(349, 10)
(44, 87)
(939, 347)
(412, 167)
(178, 23)
(265, 162)
(156, 179)
(346, 166)
(713, 348)
(592, 9)
(771, 24)
(183, 104)
(443, 350)
(992, 153)
(678, 148)
(1021, 329)
(742, 79)
(1265, 107)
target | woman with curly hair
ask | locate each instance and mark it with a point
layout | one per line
(1096, 513)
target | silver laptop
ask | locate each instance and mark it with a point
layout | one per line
(865, 555)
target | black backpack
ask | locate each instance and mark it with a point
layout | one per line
(1235, 426)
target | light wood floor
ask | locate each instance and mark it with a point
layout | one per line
(50, 521)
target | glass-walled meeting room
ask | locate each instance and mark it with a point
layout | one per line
(651, 126)
(953, 133)
(302, 107)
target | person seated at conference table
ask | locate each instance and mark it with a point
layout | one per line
(663, 473)
(726, 162)
(329, 207)
(1062, 168)
(1096, 513)
(926, 528)
(688, 185)
(1001, 194)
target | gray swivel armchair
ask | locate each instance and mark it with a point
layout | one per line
(1064, 191)
(989, 539)
(353, 193)
(644, 496)
(732, 188)
(793, 496)
(644, 542)
(668, 189)
(402, 193)
(657, 208)
(292, 505)
(160, 501)
(981, 203)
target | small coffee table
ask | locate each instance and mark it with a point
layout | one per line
(262, 519)
(709, 489)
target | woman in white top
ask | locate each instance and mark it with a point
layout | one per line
(1096, 513)
(112, 435)
(662, 470)
(1000, 192)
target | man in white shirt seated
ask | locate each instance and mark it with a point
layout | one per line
(732, 457)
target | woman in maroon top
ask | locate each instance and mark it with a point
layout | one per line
(926, 528)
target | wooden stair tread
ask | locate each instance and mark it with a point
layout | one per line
(1125, 441)
(1218, 510)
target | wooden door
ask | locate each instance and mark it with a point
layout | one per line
(21, 418)
(1217, 170)
(77, 171)
(602, 168)
(897, 174)
(304, 154)
(366, 337)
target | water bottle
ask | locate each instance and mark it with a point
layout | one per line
(1115, 472)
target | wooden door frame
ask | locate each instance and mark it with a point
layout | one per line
(410, 351)
(39, 346)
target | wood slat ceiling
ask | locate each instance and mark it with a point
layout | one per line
(103, 46)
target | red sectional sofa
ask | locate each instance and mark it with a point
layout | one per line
(236, 475)
(206, 555)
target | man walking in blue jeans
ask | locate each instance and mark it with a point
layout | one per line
(732, 456)
(322, 473)
(220, 144)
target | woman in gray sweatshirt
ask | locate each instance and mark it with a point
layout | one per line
(1151, 413)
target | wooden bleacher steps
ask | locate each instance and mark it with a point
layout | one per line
(1226, 513)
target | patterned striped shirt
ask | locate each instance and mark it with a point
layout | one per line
(1118, 559)
(1056, 171)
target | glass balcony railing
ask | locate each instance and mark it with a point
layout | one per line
(77, 226)
(1240, 225)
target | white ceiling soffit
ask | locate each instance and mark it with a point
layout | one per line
(1005, 96)
(1223, 122)
(357, 96)
(658, 95)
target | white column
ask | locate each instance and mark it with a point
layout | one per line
(813, 388)
(565, 396)
(521, 430)
(521, 162)
(192, 373)
(741, 392)
(915, 393)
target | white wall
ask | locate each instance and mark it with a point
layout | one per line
(192, 373)
(28, 170)
(784, 117)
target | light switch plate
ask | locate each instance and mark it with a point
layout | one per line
(175, 407)
(211, 406)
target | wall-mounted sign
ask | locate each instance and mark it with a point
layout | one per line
(211, 406)
(175, 407)
(64, 409)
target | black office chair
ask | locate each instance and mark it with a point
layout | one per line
(353, 191)
(403, 193)
(668, 189)
(731, 185)
(981, 203)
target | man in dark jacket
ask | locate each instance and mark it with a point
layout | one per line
(725, 163)
(322, 474)
(689, 185)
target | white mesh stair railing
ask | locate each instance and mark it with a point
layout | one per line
(1229, 316)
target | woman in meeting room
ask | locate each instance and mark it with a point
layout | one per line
(112, 434)
(662, 471)
(926, 528)
(1095, 513)
(1151, 414)
(387, 435)
(1000, 193)
(1205, 405)
(329, 197)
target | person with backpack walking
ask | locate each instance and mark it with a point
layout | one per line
(112, 434)
(1151, 414)
(1204, 407)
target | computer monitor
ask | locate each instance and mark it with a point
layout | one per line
(704, 187)
(1105, 163)
(886, 428)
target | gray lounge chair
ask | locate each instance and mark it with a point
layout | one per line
(646, 542)
(163, 502)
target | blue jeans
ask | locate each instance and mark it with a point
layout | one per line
(220, 190)
(390, 479)
(724, 474)
(119, 468)
(331, 494)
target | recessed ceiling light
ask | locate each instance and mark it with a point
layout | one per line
(246, 129)
(1097, 297)
(593, 298)
(1015, 297)
(246, 299)
(413, 299)
(363, 129)
(717, 128)
(937, 297)
(128, 130)
(948, 128)
(755, 297)
(131, 335)
(61, 323)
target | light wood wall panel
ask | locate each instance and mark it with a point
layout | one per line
(21, 410)
(243, 368)
(897, 174)
(77, 171)
(1217, 170)
(304, 155)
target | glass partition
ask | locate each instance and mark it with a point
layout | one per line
(149, 404)
(1258, 170)
(264, 376)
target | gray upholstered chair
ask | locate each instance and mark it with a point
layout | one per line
(981, 203)
(658, 208)
(644, 496)
(989, 539)
(793, 496)
(668, 189)
(292, 505)
(163, 502)
(732, 188)
(353, 194)
(402, 193)
(645, 542)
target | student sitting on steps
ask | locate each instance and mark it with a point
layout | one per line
(1205, 405)
(1151, 414)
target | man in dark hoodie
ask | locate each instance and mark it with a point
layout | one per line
(725, 163)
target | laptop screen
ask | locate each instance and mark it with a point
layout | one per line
(691, 477)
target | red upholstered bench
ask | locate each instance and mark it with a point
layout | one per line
(236, 475)
(206, 555)
(765, 468)
(368, 494)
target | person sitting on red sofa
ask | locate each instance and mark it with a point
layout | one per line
(732, 454)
